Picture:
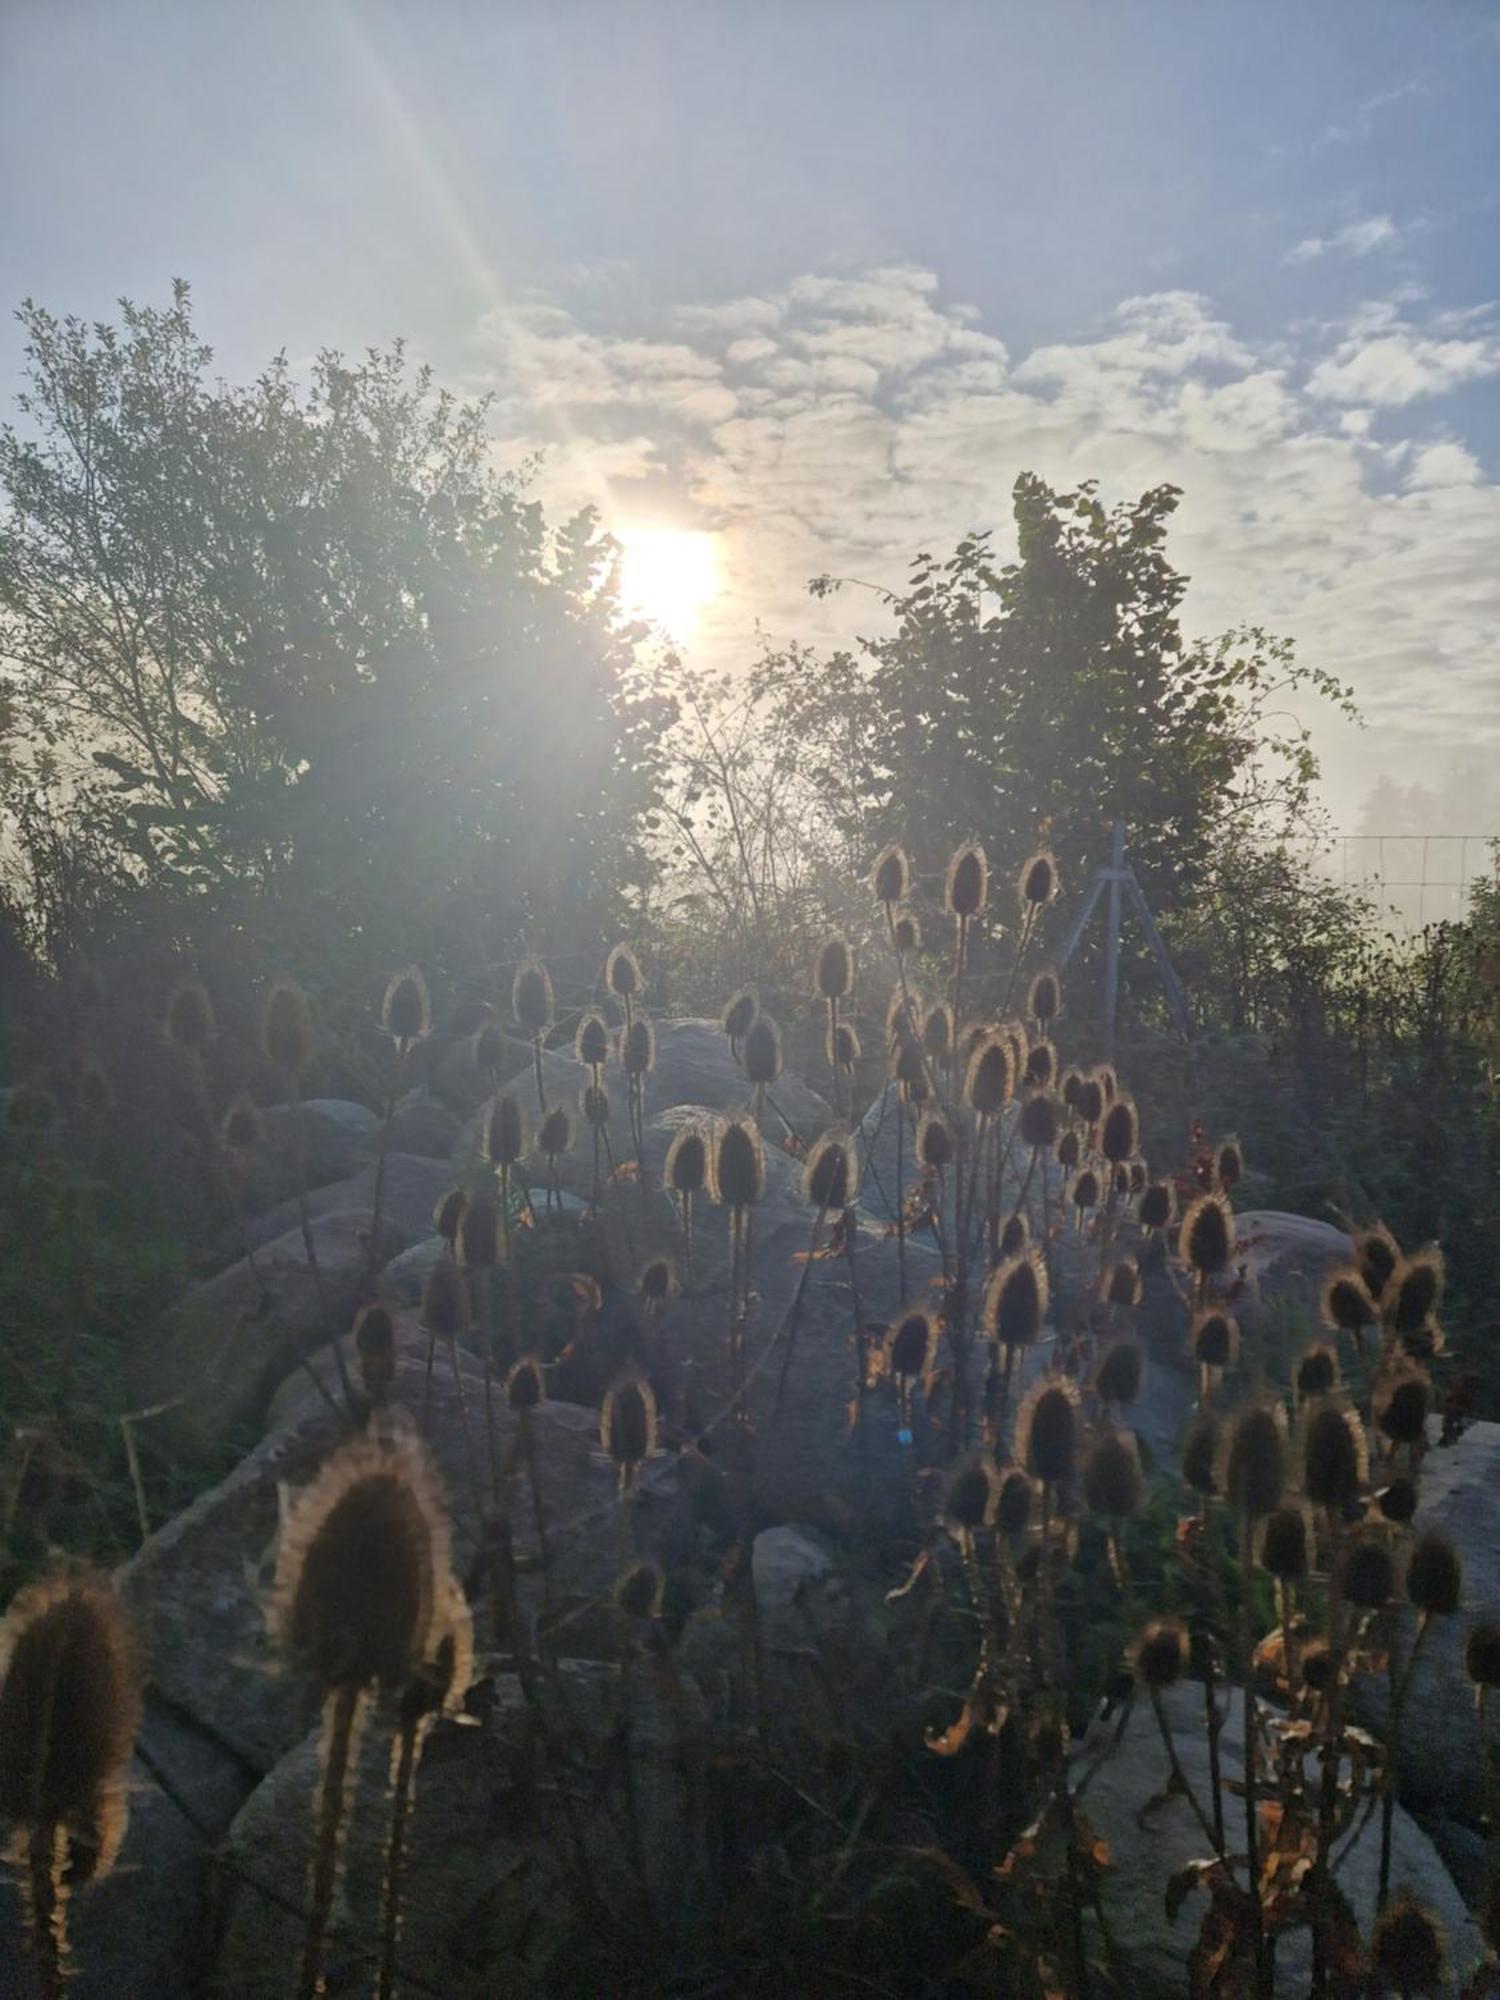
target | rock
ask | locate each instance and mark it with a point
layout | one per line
(1145, 1853)
(409, 1195)
(220, 1350)
(790, 1567)
(334, 1134)
(424, 1126)
(402, 1279)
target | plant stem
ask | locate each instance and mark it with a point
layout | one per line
(341, 1714)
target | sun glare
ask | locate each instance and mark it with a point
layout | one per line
(668, 576)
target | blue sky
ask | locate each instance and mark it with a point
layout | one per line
(822, 278)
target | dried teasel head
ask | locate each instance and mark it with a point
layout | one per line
(1121, 1367)
(364, 1567)
(972, 1495)
(1251, 1468)
(1200, 1453)
(1434, 1575)
(1124, 1287)
(638, 1047)
(833, 970)
(1084, 1190)
(1407, 1948)
(526, 1385)
(375, 1345)
(1369, 1573)
(1285, 1543)
(1091, 1100)
(1108, 1083)
(1161, 1653)
(1402, 1400)
(627, 1423)
(1015, 1234)
(1205, 1241)
(841, 1045)
(1040, 1069)
(1345, 1304)
(591, 1045)
(1317, 1372)
(554, 1136)
(1155, 1211)
(622, 973)
(1120, 1132)
(1044, 1002)
(286, 1027)
(243, 1128)
(1017, 1497)
(890, 878)
(1413, 1291)
(1398, 1501)
(911, 1343)
(686, 1170)
(593, 1102)
(1072, 1088)
(1038, 1122)
(1376, 1253)
(738, 1163)
(446, 1309)
(69, 1709)
(489, 1049)
(1334, 1453)
(1112, 1483)
(190, 1016)
(531, 997)
(1015, 1300)
(935, 1146)
(739, 1011)
(638, 1590)
(657, 1282)
(1069, 1151)
(937, 1033)
(906, 934)
(760, 1053)
(1049, 1432)
(1229, 1165)
(480, 1242)
(406, 1010)
(1039, 881)
(505, 1131)
(1482, 1654)
(989, 1080)
(830, 1179)
(966, 886)
(447, 1213)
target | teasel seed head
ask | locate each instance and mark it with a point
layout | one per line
(657, 1282)
(739, 1011)
(1214, 1339)
(1044, 1003)
(1285, 1539)
(1015, 1234)
(1084, 1190)
(1120, 1370)
(69, 1708)
(622, 973)
(1369, 1573)
(1319, 1668)
(1069, 1151)
(1108, 1083)
(1039, 1121)
(1482, 1654)
(638, 1590)
(935, 1141)
(445, 1301)
(447, 1213)
(686, 1170)
(937, 1033)
(830, 1178)
(554, 1136)
(1205, 1241)
(989, 1080)
(738, 1163)
(1346, 1305)
(841, 1045)
(1407, 1948)
(972, 1496)
(1200, 1453)
(1039, 882)
(890, 879)
(1112, 1484)
(906, 934)
(1041, 1066)
(1120, 1133)
(1335, 1456)
(286, 1027)
(833, 972)
(593, 1102)
(526, 1384)
(489, 1048)
(1017, 1497)
(406, 1011)
(1412, 1292)
(1402, 1400)
(1434, 1575)
(591, 1046)
(243, 1129)
(1091, 1100)
(1161, 1653)
(504, 1131)
(1015, 1300)
(1229, 1165)
(1317, 1372)
(531, 997)
(911, 1347)
(761, 1051)
(1251, 1469)
(966, 887)
(364, 1566)
(638, 1047)
(1124, 1283)
(1377, 1253)
(1049, 1434)
(190, 1016)
(1398, 1501)
(627, 1423)
(480, 1242)
(1155, 1211)
(375, 1344)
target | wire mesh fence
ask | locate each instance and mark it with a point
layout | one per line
(1420, 878)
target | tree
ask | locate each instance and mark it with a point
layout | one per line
(296, 659)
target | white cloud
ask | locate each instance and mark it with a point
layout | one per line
(1385, 360)
(1355, 239)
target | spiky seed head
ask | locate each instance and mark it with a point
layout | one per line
(1120, 1371)
(526, 1384)
(686, 1170)
(1251, 1472)
(1091, 1100)
(1161, 1653)
(1319, 1667)
(622, 972)
(989, 1080)
(1402, 1402)
(841, 1045)
(1109, 1083)
(831, 1176)
(445, 1301)
(1335, 1456)
(1041, 1065)
(1434, 1575)
(505, 1131)
(481, 1237)
(286, 1027)
(1369, 1573)
(833, 972)
(1229, 1165)
(69, 1708)
(739, 1011)
(1124, 1283)
(1407, 1948)
(966, 887)
(1069, 1151)
(1200, 1453)
(243, 1129)
(937, 1032)
(592, 1043)
(906, 934)
(1205, 1241)
(1317, 1372)
(973, 1495)
(1039, 881)
(406, 1011)
(627, 1422)
(363, 1570)
(1156, 1206)
(1044, 1002)
(1120, 1133)
(638, 1590)
(1015, 1300)
(1072, 1088)
(1017, 1496)
(935, 1141)
(1377, 1254)
(447, 1213)
(657, 1282)
(890, 879)
(593, 1102)
(1084, 1189)
(1049, 1434)
(739, 1163)
(489, 1048)
(1285, 1543)
(1015, 1234)
(1482, 1654)
(1112, 1484)
(912, 1342)
(554, 1136)
(1346, 1305)
(1039, 1121)
(1398, 1501)
(375, 1344)
(1412, 1291)
(762, 1051)
(1214, 1339)
(190, 1016)
(638, 1047)
(531, 996)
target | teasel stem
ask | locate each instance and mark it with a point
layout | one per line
(484, 1316)
(1252, 1791)
(851, 1232)
(685, 1205)
(341, 1714)
(536, 1059)
(1328, 1791)
(1027, 925)
(471, 1464)
(1399, 1690)
(538, 1509)
(739, 1231)
(403, 1784)
(46, 1909)
(1487, 1764)
(372, 1251)
(833, 1057)
(795, 1314)
(1179, 1776)
(1213, 1723)
(1286, 1605)
(294, 1099)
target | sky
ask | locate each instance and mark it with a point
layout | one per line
(817, 281)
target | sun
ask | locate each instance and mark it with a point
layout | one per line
(668, 576)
